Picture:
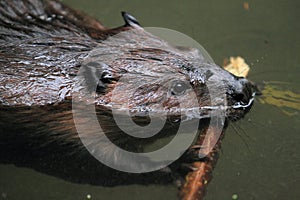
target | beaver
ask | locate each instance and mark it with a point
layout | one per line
(44, 43)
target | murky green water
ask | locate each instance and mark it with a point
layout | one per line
(260, 157)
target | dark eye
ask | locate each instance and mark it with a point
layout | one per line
(179, 88)
(107, 77)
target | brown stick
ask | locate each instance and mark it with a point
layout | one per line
(197, 180)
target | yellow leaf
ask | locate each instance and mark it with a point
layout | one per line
(237, 66)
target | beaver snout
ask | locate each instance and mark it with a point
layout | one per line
(243, 93)
(240, 98)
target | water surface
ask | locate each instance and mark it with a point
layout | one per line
(260, 154)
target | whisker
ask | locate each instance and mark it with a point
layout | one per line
(242, 138)
(243, 131)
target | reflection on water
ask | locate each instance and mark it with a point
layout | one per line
(268, 166)
(288, 101)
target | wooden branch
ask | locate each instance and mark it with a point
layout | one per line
(197, 180)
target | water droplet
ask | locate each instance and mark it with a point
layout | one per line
(28, 17)
(43, 17)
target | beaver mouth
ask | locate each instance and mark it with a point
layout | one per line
(232, 112)
(236, 111)
(237, 105)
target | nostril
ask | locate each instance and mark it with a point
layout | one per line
(238, 97)
(246, 90)
(241, 91)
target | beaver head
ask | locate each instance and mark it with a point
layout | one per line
(137, 76)
(144, 75)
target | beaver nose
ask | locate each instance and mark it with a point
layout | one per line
(243, 91)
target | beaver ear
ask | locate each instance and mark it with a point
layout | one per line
(130, 20)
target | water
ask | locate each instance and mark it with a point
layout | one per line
(260, 154)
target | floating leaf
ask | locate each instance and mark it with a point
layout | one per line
(237, 66)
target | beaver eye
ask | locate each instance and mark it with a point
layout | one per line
(179, 88)
(107, 77)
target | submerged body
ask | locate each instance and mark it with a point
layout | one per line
(43, 44)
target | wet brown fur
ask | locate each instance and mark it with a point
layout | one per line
(42, 46)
